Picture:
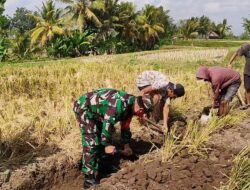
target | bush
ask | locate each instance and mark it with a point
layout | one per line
(3, 49)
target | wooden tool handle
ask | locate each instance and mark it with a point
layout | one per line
(241, 99)
(156, 126)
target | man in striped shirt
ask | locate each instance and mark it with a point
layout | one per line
(157, 84)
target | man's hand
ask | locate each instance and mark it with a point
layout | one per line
(229, 66)
(127, 150)
(110, 149)
(142, 119)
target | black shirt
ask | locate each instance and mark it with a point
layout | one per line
(245, 51)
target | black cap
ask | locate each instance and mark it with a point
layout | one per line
(179, 90)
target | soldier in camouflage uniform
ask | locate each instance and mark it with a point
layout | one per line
(97, 112)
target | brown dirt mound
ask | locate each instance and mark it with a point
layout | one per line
(186, 172)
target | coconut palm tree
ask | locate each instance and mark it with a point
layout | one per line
(188, 28)
(108, 11)
(49, 24)
(80, 12)
(149, 27)
(107, 35)
(223, 28)
(127, 17)
(204, 26)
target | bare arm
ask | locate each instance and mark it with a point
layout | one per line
(147, 90)
(232, 59)
(216, 90)
(165, 116)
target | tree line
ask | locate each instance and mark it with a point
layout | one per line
(96, 27)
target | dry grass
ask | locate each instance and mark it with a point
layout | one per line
(197, 135)
(240, 173)
(187, 55)
(36, 99)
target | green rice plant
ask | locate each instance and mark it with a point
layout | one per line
(239, 178)
(197, 135)
(170, 148)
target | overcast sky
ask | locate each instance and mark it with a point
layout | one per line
(232, 10)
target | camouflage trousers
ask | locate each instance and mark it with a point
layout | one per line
(91, 137)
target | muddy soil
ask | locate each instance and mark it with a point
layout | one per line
(208, 171)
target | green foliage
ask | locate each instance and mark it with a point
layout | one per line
(107, 42)
(21, 21)
(4, 25)
(4, 21)
(149, 27)
(49, 23)
(3, 49)
(223, 28)
(204, 26)
(240, 173)
(20, 44)
(246, 25)
(75, 45)
(116, 26)
(245, 36)
(188, 27)
(79, 12)
(2, 6)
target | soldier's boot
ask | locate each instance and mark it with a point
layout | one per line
(90, 181)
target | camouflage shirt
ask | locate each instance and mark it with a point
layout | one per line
(108, 106)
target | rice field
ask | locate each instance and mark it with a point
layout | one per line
(36, 98)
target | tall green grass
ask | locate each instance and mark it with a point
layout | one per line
(239, 178)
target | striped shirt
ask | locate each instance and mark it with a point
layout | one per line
(152, 78)
(157, 80)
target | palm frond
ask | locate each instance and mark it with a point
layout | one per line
(158, 28)
(37, 32)
(90, 15)
(57, 30)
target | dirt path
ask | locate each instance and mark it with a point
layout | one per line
(61, 171)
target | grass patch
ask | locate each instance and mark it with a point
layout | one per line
(209, 43)
(240, 173)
